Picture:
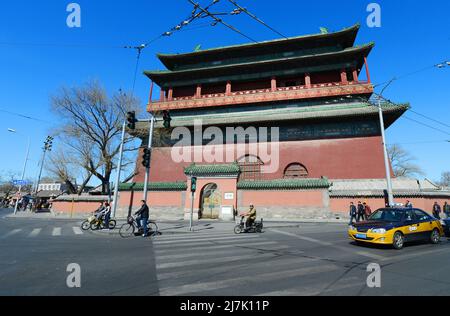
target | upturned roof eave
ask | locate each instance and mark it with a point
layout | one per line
(168, 59)
(157, 75)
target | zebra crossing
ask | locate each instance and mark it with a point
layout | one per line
(64, 231)
(226, 264)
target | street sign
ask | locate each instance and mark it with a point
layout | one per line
(19, 182)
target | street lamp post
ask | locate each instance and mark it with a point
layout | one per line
(23, 171)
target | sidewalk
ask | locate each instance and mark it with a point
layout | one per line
(182, 226)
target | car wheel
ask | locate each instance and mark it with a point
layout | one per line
(435, 236)
(399, 240)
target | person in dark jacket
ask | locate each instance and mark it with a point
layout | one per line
(446, 209)
(143, 215)
(437, 210)
(353, 212)
(367, 210)
(408, 204)
(361, 212)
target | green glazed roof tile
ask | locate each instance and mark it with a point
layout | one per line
(285, 184)
(154, 186)
(212, 169)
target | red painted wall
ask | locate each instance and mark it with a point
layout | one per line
(350, 158)
(311, 198)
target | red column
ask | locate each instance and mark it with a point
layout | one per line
(198, 93)
(273, 84)
(367, 70)
(344, 78)
(228, 88)
(162, 95)
(355, 75)
(170, 97)
(308, 80)
(150, 97)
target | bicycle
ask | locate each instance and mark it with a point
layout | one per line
(95, 224)
(128, 229)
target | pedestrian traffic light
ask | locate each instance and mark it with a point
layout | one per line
(167, 119)
(146, 158)
(131, 118)
(193, 184)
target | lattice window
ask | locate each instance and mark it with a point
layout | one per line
(295, 170)
(250, 168)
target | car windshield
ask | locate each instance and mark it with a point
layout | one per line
(387, 215)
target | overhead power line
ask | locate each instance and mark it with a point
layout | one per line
(424, 124)
(240, 9)
(206, 13)
(25, 116)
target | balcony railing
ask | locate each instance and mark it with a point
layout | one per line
(264, 95)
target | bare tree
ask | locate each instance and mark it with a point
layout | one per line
(403, 163)
(445, 179)
(67, 170)
(91, 124)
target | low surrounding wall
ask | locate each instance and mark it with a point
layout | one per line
(163, 204)
(341, 205)
(287, 204)
(77, 205)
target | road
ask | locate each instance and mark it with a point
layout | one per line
(313, 259)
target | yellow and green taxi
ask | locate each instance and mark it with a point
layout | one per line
(396, 226)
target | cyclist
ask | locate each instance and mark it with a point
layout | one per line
(142, 217)
(251, 216)
(107, 214)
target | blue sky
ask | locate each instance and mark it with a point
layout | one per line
(413, 35)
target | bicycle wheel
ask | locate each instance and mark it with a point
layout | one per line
(95, 225)
(238, 229)
(85, 225)
(127, 230)
(112, 224)
(152, 228)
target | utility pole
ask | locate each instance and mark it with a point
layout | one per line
(119, 167)
(385, 152)
(47, 147)
(149, 147)
(386, 157)
(23, 177)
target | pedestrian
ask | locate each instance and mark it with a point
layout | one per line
(361, 212)
(143, 215)
(408, 204)
(353, 212)
(437, 210)
(367, 210)
(107, 214)
(446, 209)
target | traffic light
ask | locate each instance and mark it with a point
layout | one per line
(193, 184)
(131, 118)
(48, 143)
(167, 119)
(146, 158)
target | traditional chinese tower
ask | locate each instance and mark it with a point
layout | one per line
(307, 86)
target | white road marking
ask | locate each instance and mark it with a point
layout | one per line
(56, 231)
(207, 246)
(316, 241)
(242, 267)
(328, 244)
(236, 282)
(193, 236)
(13, 232)
(371, 255)
(35, 232)
(202, 253)
(77, 231)
(156, 242)
(182, 264)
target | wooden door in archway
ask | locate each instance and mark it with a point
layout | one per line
(210, 202)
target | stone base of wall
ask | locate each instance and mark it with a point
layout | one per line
(294, 213)
(159, 213)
